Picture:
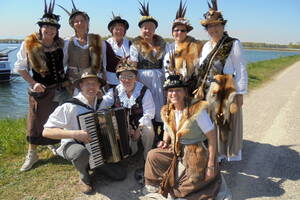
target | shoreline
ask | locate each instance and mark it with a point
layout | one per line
(272, 49)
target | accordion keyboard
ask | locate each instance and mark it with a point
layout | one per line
(94, 147)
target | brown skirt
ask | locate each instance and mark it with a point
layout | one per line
(234, 143)
(39, 110)
(157, 163)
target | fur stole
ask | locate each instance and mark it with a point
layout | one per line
(186, 56)
(195, 156)
(146, 50)
(221, 104)
(95, 50)
(35, 52)
(189, 115)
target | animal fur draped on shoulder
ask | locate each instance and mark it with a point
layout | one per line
(147, 51)
(35, 52)
(95, 49)
(189, 114)
(186, 56)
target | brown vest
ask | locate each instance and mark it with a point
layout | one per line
(78, 57)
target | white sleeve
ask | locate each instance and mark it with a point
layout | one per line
(240, 67)
(21, 63)
(204, 122)
(148, 109)
(61, 117)
(204, 53)
(107, 100)
(134, 54)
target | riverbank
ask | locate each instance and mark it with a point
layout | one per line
(53, 177)
(272, 49)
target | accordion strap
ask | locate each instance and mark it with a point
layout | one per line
(80, 103)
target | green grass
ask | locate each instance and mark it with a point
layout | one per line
(263, 71)
(55, 178)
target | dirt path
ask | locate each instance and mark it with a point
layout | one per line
(271, 163)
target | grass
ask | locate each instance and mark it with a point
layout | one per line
(263, 71)
(55, 178)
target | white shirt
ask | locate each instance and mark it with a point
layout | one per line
(235, 64)
(123, 50)
(21, 63)
(65, 117)
(147, 102)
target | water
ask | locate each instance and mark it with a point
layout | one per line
(14, 98)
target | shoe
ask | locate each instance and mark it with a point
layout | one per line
(53, 149)
(147, 189)
(85, 188)
(139, 174)
(30, 160)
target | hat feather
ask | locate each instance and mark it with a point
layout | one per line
(144, 10)
(181, 10)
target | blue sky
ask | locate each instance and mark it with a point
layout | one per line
(270, 21)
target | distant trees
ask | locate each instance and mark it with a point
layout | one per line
(266, 45)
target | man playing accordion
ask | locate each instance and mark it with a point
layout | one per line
(137, 99)
(63, 124)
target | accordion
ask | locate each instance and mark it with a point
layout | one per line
(109, 132)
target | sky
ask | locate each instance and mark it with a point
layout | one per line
(269, 21)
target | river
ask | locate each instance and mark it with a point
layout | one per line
(14, 99)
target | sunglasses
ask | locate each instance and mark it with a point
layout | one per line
(128, 77)
(180, 30)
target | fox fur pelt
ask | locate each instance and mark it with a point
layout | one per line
(146, 50)
(194, 155)
(186, 57)
(95, 48)
(221, 100)
(35, 52)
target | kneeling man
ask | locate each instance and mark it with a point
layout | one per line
(63, 124)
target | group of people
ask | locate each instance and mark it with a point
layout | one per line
(183, 100)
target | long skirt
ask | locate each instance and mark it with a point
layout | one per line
(39, 110)
(231, 149)
(159, 160)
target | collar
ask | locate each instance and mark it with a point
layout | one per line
(129, 102)
(75, 39)
(84, 100)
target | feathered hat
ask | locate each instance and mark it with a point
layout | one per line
(74, 13)
(144, 11)
(49, 18)
(89, 73)
(180, 20)
(213, 16)
(174, 81)
(117, 19)
(126, 65)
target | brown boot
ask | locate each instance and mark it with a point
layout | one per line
(85, 188)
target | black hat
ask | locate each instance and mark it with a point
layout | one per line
(74, 13)
(174, 81)
(144, 11)
(117, 19)
(180, 20)
(89, 73)
(49, 18)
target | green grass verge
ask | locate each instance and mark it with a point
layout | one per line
(55, 178)
(263, 71)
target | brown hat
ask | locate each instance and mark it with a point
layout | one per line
(126, 65)
(49, 18)
(213, 16)
(180, 20)
(144, 11)
(74, 13)
(89, 73)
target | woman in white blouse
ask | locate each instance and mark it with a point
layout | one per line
(120, 45)
(224, 55)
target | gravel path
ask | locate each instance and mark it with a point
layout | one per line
(270, 168)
